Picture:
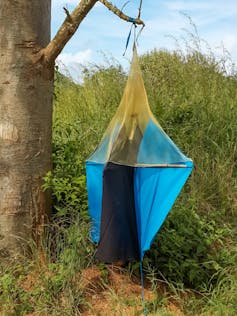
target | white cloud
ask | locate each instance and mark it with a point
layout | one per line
(70, 64)
(70, 59)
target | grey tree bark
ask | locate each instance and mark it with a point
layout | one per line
(26, 91)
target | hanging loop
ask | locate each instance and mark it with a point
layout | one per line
(136, 36)
(129, 36)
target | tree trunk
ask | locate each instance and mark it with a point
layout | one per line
(26, 90)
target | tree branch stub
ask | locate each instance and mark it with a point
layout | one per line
(68, 15)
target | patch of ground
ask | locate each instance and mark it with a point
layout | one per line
(111, 292)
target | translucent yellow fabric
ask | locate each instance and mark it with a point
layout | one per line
(134, 137)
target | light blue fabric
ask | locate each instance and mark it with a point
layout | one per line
(94, 180)
(156, 189)
(157, 148)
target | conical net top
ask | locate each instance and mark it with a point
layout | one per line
(134, 137)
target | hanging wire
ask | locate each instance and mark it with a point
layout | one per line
(135, 26)
(143, 289)
(141, 268)
(140, 10)
(124, 5)
(128, 39)
(139, 33)
(138, 16)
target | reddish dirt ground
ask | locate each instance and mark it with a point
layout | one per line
(112, 292)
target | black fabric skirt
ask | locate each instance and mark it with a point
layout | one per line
(118, 229)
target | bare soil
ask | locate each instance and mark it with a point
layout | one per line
(113, 293)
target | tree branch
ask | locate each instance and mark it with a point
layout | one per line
(120, 14)
(71, 24)
(67, 30)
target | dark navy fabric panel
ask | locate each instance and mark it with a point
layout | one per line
(94, 180)
(118, 237)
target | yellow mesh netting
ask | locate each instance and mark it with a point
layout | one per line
(134, 136)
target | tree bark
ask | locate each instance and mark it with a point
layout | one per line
(26, 90)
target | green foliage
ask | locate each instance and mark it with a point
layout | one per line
(185, 250)
(67, 181)
(52, 286)
(13, 299)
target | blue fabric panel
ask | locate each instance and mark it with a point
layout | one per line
(94, 180)
(156, 190)
(157, 148)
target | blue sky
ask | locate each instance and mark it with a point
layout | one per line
(102, 32)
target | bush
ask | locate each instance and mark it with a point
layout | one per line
(187, 250)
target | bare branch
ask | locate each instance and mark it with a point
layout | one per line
(71, 24)
(120, 14)
(67, 30)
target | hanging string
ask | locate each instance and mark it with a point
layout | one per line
(134, 24)
(139, 33)
(140, 10)
(129, 35)
(141, 268)
(139, 16)
(143, 287)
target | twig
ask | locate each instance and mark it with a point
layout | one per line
(120, 14)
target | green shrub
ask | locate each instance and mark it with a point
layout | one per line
(187, 250)
(67, 181)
